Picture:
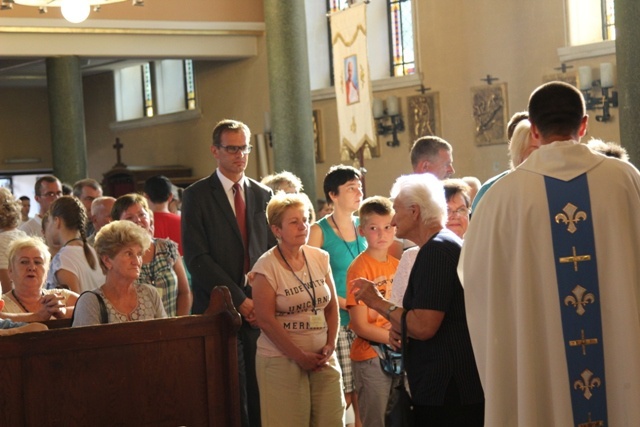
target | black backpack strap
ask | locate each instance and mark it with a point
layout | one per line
(104, 315)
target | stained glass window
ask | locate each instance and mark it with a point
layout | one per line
(608, 20)
(590, 21)
(154, 89)
(401, 38)
(400, 35)
(190, 84)
(336, 5)
(147, 85)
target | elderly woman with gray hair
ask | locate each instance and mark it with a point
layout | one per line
(441, 369)
(120, 246)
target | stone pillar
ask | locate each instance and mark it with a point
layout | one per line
(66, 110)
(290, 91)
(628, 85)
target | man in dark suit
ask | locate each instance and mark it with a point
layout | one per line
(220, 248)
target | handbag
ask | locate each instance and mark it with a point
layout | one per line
(390, 360)
(399, 412)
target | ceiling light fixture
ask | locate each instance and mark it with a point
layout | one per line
(74, 11)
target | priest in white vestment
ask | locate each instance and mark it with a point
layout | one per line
(508, 270)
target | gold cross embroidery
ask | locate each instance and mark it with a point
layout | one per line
(575, 259)
(591, 423)
(583, 342)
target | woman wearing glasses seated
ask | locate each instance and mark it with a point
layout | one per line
(456, 191)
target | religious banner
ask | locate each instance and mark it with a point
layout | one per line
(351, 75)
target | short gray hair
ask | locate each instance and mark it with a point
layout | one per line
(424, 191)
(116, 235)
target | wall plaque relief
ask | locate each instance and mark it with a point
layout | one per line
(490, 111)
(423, 115)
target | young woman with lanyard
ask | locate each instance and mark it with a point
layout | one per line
(336, 234)
(297, 311)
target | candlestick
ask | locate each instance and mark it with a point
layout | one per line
(606, 74)
(584, 75)
(393, 108)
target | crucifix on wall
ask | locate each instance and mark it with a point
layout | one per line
(118, 146)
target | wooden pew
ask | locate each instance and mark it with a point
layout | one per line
(166, 372)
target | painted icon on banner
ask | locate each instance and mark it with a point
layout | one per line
(351, 83)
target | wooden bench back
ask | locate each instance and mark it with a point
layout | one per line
(166, 372)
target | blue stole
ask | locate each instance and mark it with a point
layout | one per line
(577, 274)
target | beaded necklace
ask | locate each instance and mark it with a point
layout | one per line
(15, 297)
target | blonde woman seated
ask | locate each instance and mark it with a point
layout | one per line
(10, 214)
(28, 301)
(297, 311)
(120, 246)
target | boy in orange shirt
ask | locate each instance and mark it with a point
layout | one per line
(372, 384)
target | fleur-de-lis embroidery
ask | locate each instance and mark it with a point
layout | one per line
(581, 298)
(587, 383)
(570, 216)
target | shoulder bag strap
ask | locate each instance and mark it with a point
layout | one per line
(104, 315)
(405, 342)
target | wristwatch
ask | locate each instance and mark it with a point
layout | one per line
(391, 310)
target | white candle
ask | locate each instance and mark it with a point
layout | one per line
(393, 108)
(378, 108)
(263, 168)
(606, 74)
(584, 75)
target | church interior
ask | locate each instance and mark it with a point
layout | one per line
(459, 48)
